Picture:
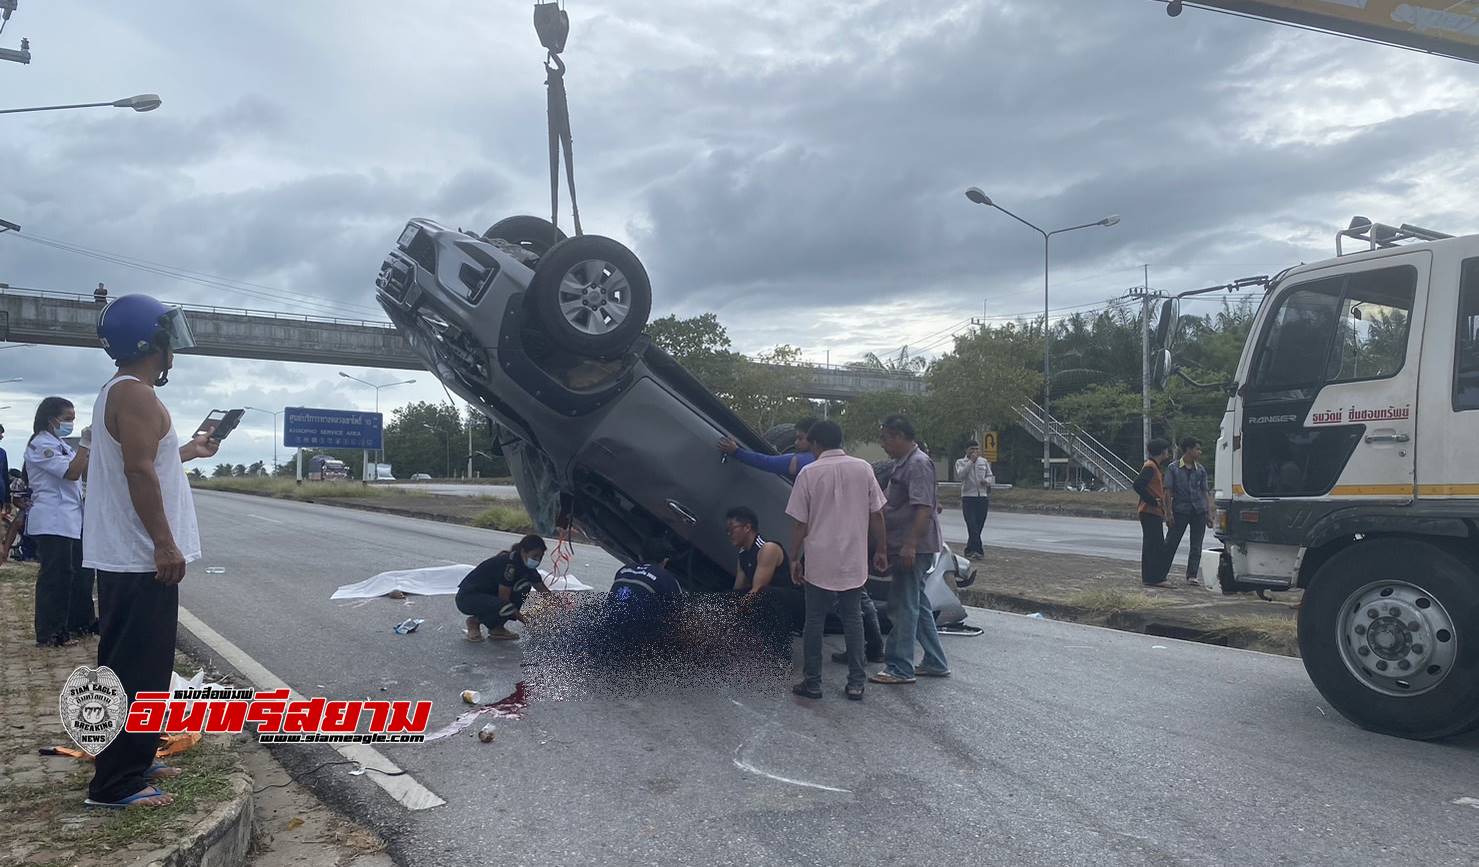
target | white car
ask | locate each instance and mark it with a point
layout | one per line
(420, 477)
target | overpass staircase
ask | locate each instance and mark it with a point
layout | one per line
(1079, 445)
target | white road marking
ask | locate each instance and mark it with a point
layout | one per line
(746, 766)
(264, 518)
(403, 787)
(1467, 802)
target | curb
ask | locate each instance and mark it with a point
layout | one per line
(1150, 622)
(224, 839)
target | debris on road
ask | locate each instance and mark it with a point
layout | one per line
(486, 733)
(472, 696)
(407, 626)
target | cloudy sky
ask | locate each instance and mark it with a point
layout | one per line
(796, 168)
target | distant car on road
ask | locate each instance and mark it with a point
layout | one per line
(601, 428)
(420, 477)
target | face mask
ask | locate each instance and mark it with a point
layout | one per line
(64, 429)
(531, 562)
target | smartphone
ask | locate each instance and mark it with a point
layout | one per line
(219, 428)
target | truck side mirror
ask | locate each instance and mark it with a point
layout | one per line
(1160, 368)
(1163, 327)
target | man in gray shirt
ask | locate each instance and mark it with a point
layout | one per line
(1191, 506)
(912, 526)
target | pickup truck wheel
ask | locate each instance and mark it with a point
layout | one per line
(1389, 633)
(592, 296)
(535, 234)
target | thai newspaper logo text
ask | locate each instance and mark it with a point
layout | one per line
(279, 717)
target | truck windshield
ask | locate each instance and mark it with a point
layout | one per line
(1337, 329)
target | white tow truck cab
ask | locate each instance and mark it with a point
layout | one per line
(1348, 465)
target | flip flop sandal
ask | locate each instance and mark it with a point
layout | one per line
(161, 771)
(135, 800)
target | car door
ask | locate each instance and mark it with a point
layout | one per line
(1330, 406)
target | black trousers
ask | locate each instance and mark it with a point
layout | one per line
(63, 594)
(1152, 549)
(974, 509)
(1198, 525)
(487, 607)
(137, 640)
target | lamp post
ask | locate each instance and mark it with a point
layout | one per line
(274, 432)
(13, 379)
(976, 195)
(448, 435)
(381, 458)
(142, 102)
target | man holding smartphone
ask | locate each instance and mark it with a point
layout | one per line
(141, 530)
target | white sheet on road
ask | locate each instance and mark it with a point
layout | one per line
(434, 581)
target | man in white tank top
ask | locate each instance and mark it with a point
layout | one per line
(141, 530)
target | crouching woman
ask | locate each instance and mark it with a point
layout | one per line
(493, 593)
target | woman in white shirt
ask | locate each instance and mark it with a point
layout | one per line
(64, 607)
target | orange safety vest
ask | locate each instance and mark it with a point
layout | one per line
(1157, 489)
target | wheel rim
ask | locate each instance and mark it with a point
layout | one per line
(1396, 638)
(595, 297)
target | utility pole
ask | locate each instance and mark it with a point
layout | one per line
(469, 442)
(1147, 297)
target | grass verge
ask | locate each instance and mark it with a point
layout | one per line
(289, 489)
(1112, 600)
(1270, 634)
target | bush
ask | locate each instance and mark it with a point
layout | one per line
(509, 518)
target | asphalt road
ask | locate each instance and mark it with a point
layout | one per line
(1052, 744)
(1053, 534)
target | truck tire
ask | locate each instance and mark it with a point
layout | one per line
(1389, 633)
(535, 234)
(591, 295)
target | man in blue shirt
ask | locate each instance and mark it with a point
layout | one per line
(787, 466)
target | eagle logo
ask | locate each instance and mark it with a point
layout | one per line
(94, 707)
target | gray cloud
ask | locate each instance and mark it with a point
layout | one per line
(796, 167)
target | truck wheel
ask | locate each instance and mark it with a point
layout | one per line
(1389, 633)
(535, 234)
(592, 296)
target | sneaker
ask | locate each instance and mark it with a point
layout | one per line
(889, 678)
(841, 656)
(502, 634)
(931, 672)
(1193, 580)
(805, 690)
(854, 693)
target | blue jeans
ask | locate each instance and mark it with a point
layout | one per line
(913, 620)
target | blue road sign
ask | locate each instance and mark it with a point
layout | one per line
(331, 428)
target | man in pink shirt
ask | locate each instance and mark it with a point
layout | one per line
(835, 502)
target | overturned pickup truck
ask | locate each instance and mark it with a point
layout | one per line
(601, 428)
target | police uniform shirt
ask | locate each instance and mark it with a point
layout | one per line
(501, 571)
(645, 581)
(56, 502)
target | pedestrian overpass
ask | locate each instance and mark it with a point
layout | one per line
(63, 319)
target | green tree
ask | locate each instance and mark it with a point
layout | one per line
(195, 474)
(980, 383)
(222, 471)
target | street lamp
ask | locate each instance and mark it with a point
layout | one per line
(381, 459)
(142, 102)
(976, 195)
(274, 432)
(13, 379)
(448, 435)
(7, 226)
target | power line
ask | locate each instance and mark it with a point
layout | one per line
(186, 275)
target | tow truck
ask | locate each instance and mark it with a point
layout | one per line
(1347, 466)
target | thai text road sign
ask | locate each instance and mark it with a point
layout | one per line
(331, 428)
